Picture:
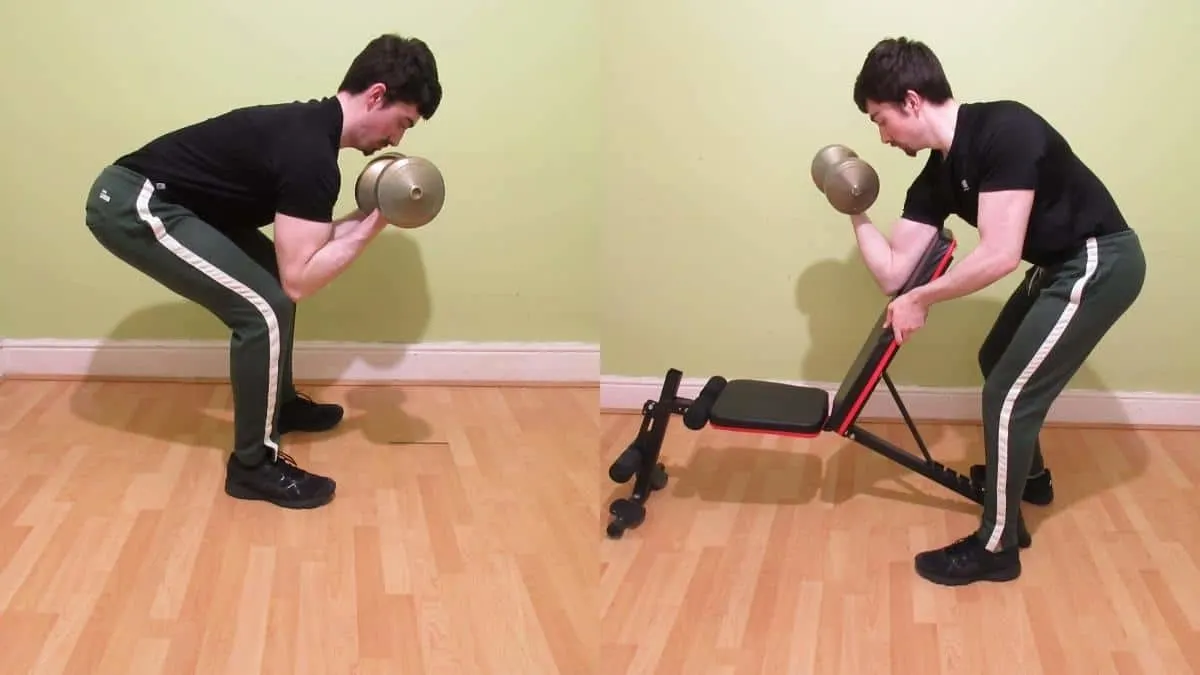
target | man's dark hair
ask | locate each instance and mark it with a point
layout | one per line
(896, 65)
(405, 65)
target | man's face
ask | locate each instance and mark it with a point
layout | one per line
(899, 125)
(385, 124)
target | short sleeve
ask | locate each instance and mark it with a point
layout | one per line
(308, 181)
(923, 202)
(1011, 151)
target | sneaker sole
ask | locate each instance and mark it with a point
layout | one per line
(997, 576)
(283, 431)
(239, 492)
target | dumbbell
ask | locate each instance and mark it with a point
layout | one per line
(408, 191)
(849, 183)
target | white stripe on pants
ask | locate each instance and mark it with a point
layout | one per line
(1010, 399)
(216, 274)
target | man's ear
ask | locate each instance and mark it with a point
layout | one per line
(375, 96)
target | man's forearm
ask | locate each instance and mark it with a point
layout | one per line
(978, 270)
(876, 251)
(335, 256)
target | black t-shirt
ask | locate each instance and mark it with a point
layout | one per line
(1003, 145)
(238, 169)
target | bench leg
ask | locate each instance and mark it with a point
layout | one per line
(640, 461)
(927, 466)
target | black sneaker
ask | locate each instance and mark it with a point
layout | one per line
(304, 414)
(278, 481)
(1039, 489)
(967, 561)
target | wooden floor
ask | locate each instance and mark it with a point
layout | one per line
(468, 537)
(462, 539)
(766, 555)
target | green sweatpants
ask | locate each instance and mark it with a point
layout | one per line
(234, 276)
(1041, 338)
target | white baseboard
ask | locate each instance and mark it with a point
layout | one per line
(467, 362)
(954, 404)
(550, 363)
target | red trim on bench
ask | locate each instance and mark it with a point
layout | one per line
(887, 355)
(766, 432)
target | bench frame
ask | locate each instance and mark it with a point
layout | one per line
(640, 461)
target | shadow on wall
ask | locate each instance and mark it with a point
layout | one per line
(383, 297)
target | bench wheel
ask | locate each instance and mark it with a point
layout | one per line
(630, 513)
(626, 513)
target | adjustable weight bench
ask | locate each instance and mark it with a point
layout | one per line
(760, 406)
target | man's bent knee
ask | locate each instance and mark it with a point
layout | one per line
(986, 359)
(995, 391)
(268, 311)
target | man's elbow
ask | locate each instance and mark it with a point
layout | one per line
(1005, 263)
(293, 287)
(898, 276)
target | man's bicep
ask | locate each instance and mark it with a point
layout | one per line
(1003, 222)
(910, 239)
(297, 240)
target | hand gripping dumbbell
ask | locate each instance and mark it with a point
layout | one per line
(408, 191)
(849, 183)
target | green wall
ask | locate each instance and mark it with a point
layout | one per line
(633, 174)
(511, 257)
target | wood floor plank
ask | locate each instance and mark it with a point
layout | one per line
(770, 555)
(468, 537)
(462, 539)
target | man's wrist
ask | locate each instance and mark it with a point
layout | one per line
(362, 229)
(919, 297)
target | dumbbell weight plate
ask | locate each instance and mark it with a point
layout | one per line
(851, 186)
(827, 158)
(410, 192)
(368, 178)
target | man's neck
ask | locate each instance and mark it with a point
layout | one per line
(942, 121)
(350, 113)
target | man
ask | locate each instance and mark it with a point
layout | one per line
(187, 208)
(1005, 170)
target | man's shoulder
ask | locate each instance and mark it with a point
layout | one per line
(1004, 115)
(1000, 106)
(316, 118)
(295, 109)
(297, 131)
(250, 126)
